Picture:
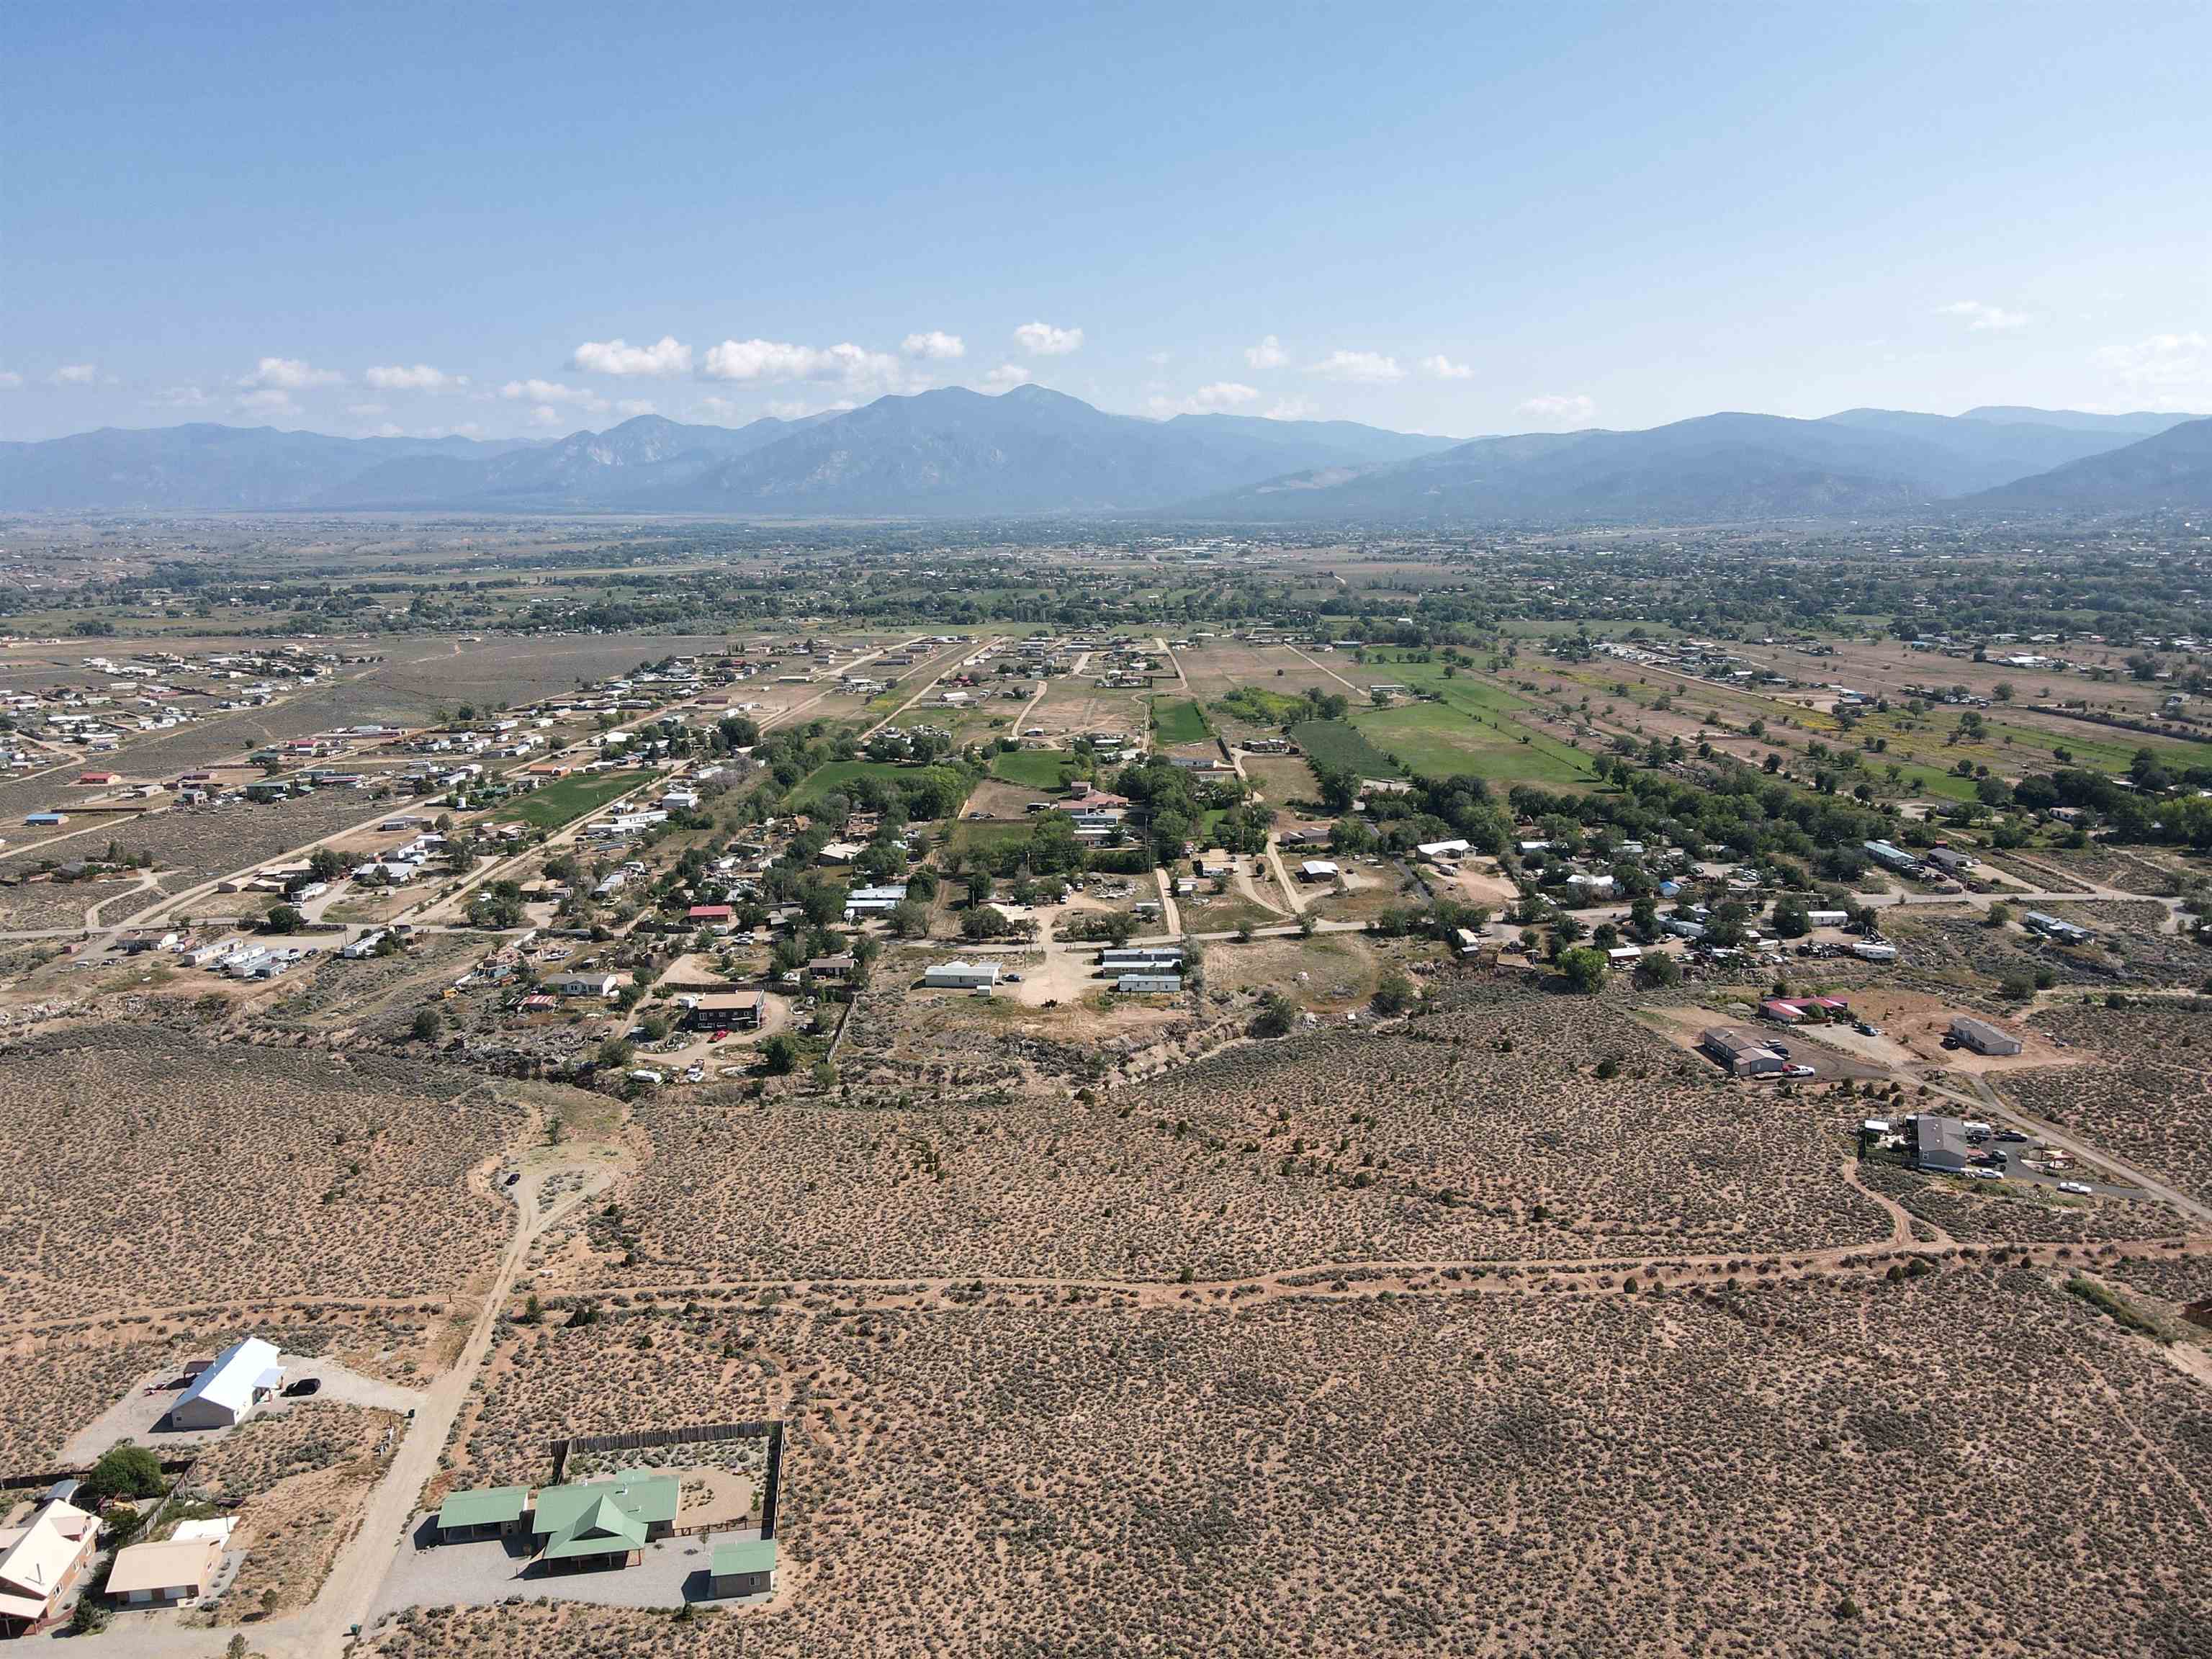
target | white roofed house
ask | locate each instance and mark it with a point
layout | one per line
(40, 1560)
(226, 1393)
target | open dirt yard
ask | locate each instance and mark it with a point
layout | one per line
(1417, 1476)
(2142, 1090)
(240, 1176)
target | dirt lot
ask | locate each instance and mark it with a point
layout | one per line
(1087, 1479)
(246, 1175)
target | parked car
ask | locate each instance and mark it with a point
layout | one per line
(1865, 1030)
(304, 1387)
(2079, 1189)
(1796, 1071)
(2010, 1134)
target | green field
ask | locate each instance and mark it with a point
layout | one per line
(553, 804)
(1033, 768)
(1332, 744)
(1435, 740)
(969, 834)
(835, 777)
(1179, 722)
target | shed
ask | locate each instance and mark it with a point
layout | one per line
(1317, 870)
(742, 1566)
(226, 1393)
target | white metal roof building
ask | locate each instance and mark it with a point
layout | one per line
(225, 1393)
(961, 976)
(39, 1561)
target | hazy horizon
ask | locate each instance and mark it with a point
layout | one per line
(1449, 222)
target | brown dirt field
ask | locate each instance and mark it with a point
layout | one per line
(1482, 1475)
(2141, 1090)
(240, 1173)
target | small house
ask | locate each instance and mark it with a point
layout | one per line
(961, 976)
(168, 1574)
(1983, 1037)
(486, 1512)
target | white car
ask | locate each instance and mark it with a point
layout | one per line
(1796, 1071)
(2079, 1189)
(1984, 1174)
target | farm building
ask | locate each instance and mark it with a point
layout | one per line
(961, 976)
(1149, 984)
(742, 1566)
(874, 901)
(40, 1560)
(1624, 956)
(1983, 1037)
(1936, 1142)
(1433, 850)
(224, 1395)
(1949, 862)
(1826, 918)
(1317, 870)
(163, 1575)
(488, 1512)
(1740, 1055)
(730, 1010)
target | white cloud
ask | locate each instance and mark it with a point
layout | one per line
(364, 411)
(1295, 408)
(288, 374)
(724, 411)
(1005, 376)
(1159, 359)
(1268, 354)
(1566, 410)
(629, 408)
(389, 429)
(9, 380)
(1043, 340)
(182, 397)
(936, 345)
(1371, 367)
(1222, 394)
(77, 374)
(666, 355)
(860, 369)
(545, 415)
(417, 377)
(1984, 318)
(2163, 371)
(1441, 367)
(551, 391)
(269, 400)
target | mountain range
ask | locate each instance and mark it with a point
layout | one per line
(957, 453)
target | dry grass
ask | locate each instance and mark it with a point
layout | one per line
(1455, 1475)
(156, 1169)
(2144, 1098)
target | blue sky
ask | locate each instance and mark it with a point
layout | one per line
(1451, 218)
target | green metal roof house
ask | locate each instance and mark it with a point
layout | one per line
(644, 1496)
(485, 1513)
(599, 1532)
